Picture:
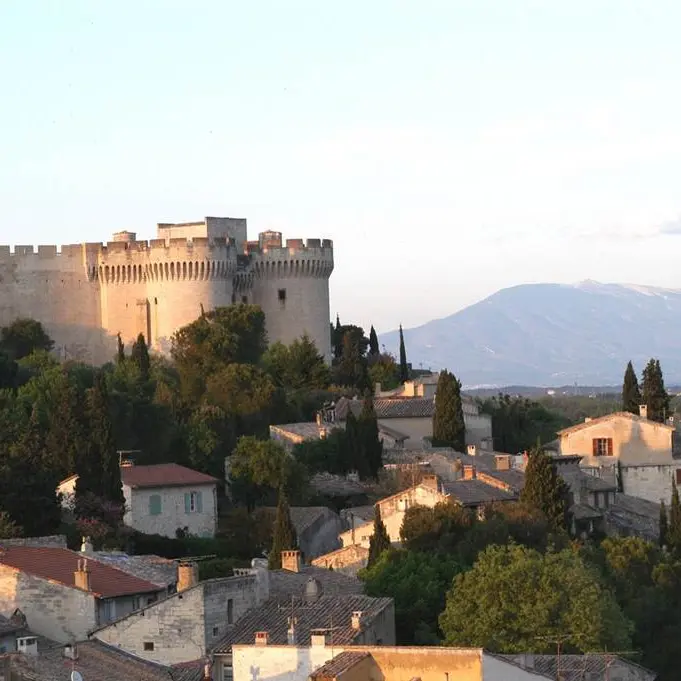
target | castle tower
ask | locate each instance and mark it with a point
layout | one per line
(291, 285)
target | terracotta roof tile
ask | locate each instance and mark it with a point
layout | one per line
(616, 415)
(339, 664)
(163, 475)
(476, 492)
(59, 565)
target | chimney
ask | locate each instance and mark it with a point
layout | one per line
(587, 419)
(260, 638)
(70, 651)
(377, 390)
(356, 619)
(430, 481)
(81, 576)
(503, 462)
(319, 418)
(468, 472)
(291, 633)
(290, 560)
(472, 450)
(643, 411)
(86, 546)
(187, 575)
(319, 637)
(28, 645)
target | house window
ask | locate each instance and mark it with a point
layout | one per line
(227, 671)
(155, 504)
(282, 297)
(193, 502)
(109, 610)
(148, 646)
(678, 476)
(136, 603)
(602, 446)
(216, 630)
(597, 499)
(230, 611)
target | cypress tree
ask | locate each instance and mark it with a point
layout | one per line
(284, 536)
(653, 392)
(544, 489)
(354, 461)
(373, 342)
(338, 339)
(380, 540)
(120, 353)
(673, 536)
(664, 525)
(449, 428)
(140, 356)
(404, 369)
(631, 395)
(370, 444)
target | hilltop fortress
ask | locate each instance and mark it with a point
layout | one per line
(86, 294)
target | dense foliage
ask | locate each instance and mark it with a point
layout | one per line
(449, 429)
(631, 395)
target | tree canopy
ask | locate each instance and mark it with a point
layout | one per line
(23, 337)
(449, 428)
(631, 395)
(653, 392)
(284, 534)
(380, 540)
(545, 490)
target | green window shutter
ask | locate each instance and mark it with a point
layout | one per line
(187, 502)
(155, 504)
(199, 502)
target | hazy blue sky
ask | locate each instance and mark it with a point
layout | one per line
(448, 148)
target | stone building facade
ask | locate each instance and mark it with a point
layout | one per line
(85, 294)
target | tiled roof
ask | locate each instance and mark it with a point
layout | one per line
(60, 564)
(163, 475)
(360, 552)
(154, 569)
(339, 664)
(585, 512)
(284, 583)
(328, 612)
(7, 626)
(578, 667)
(336, 485)
(608, 417)
(302, 516)
(576, 479)
(476, 492)
(302, 431)
(366, 513)
(389, 407)
(513, 478)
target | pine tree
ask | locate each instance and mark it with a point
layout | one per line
(284, 535)
(373, 342)
(631, 395)
(674, 528)
(663, 526)
(653, 392)
(544, 489)
(404, 368)
(370, 444)
(380, 540)
(449, 428)
(338, 339)
(140, 356)
(120, 354)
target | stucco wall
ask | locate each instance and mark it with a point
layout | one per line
(52, 610)
(478, 428)
(634, 442)
(363, 533)
(414, 496)
(651, 482)
(348, 561)
(173, 515)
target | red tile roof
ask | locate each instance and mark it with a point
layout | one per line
(59, 565)
(163, 475)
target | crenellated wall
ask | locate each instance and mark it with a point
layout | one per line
(291, 284)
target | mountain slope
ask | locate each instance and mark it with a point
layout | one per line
(552, 334)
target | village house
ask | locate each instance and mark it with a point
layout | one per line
(162, 499)
(322, 658)
(348, 560)
(64, 594)
(629, 450)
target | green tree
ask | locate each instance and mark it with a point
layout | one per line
(417, 582)
(351, 369)
(8, 528)
(536, 597)
(297, 366)
(284, 536)
(337, 341)
(653, 393)
(663, 525)
(23, 337)
(544, 489)
(120, 349)
(383, 370)
(380, 540)
(439, 528)
(449, 429)
(631, 395)
(371, 446)
(404, 367)
(139, 355)
(674, 531)
(373, 341)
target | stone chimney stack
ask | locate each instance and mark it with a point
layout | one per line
(468, 472)
(319, 637)
(356, 619)
(290, 560)
(86, 546)
(261, 638)
(643, 411)
(81, 576)
(291, 633)
(187, 575)
(472, 450)
(502, 462)
(430, 481)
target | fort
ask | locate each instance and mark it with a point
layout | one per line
(86, 294)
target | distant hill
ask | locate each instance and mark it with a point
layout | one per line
(552, 335)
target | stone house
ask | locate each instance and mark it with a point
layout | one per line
(348, 560)
(629, 450)
(323, 659)
(162, 499)
(63, 595)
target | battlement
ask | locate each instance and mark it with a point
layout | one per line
(313, 258)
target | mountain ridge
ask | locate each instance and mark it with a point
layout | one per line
(552, 334)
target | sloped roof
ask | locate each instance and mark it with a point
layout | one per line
(59, 565)
(512, 477)
(389, 407)
(331, 613)
(164, 475)
(154, 569)
(339, 664)
(303, 516)
(284, 583)
(576, 667)
(609, 417)
(476, 492)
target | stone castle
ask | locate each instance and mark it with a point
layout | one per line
(85, 294)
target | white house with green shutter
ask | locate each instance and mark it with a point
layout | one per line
(165, 498)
